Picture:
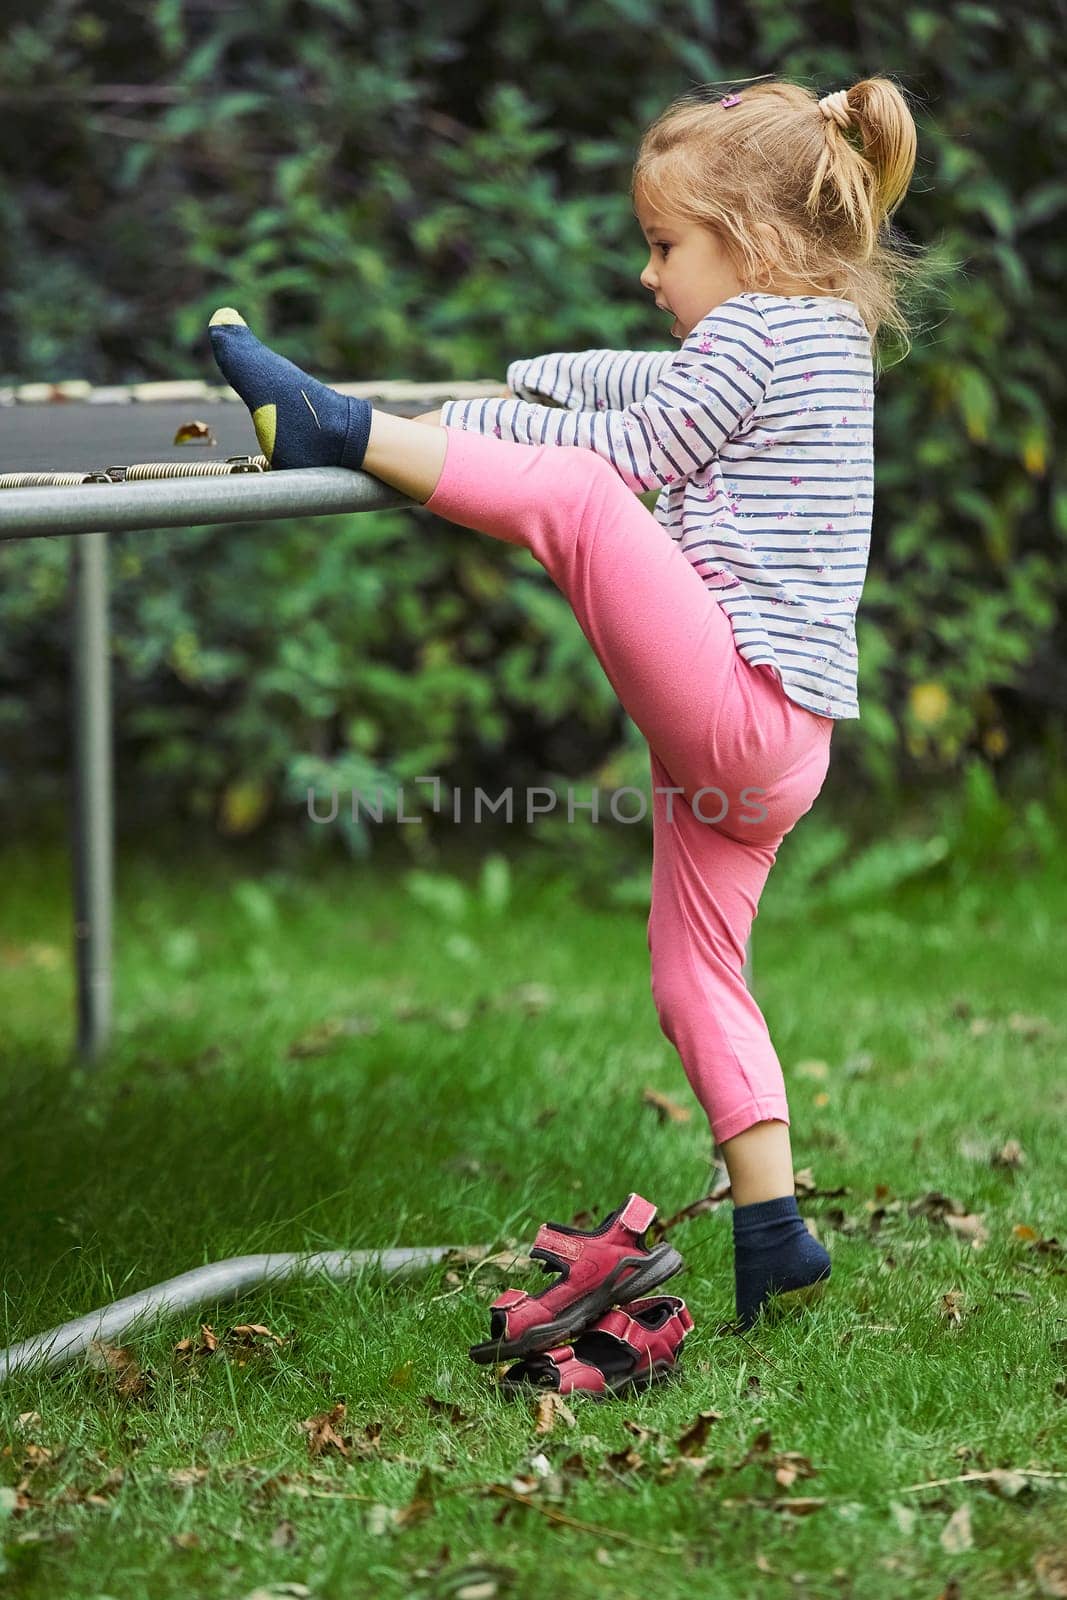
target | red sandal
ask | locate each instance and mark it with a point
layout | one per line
(607, 1266)
(630, 1349)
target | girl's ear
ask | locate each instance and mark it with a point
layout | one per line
(768, 243)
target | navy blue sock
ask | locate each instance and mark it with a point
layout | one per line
(773, 1252)
(299, 422)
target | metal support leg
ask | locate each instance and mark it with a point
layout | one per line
(93, 806)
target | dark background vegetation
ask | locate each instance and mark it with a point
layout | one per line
(428, 192)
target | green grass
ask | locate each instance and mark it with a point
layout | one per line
(940, 1021)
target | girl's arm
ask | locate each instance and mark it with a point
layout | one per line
(590, 380)
(586, 380)
(706, 393)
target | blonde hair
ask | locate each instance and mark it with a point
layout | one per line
(793, 198)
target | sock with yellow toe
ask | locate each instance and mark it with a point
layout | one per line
(299, 422)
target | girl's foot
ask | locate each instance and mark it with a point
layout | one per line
(775, 1258)
(299, 422)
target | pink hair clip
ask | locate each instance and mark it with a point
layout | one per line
(730, 100)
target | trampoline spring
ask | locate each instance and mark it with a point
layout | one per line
(140, 471)
(183, 469)
(48, 480)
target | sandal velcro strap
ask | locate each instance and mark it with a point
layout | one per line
(617, 1323)
(509, 1300)
(559, 1244)
(661, 1341)
(574, 1375)
(637, 1215)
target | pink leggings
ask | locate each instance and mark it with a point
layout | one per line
(712, 722)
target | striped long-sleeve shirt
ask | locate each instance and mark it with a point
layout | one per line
(759, 432)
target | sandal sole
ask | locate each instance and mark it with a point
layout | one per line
(657, 1266)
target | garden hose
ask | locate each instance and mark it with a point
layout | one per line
(218, 1281)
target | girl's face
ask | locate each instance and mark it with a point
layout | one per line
(689, 270)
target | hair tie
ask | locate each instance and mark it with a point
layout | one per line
(729, 100)
(835, 108)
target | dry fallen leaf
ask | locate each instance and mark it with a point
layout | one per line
(952, 1307)
(249, 1332)
(322, 1434)
(1029, 1027)
(666, 1109)
(789, 1466)
(934, 1204)
(120, 1365)
(277, 1591)
(805, 1187)
(35, 1456)
(969, 1227)
(1027, 1235)
(378, 1519)
(550, 1408)
(444, 1408)
(99, 1496)
(530, 997)
(1008, 1483)
(639, 1431)
(1010, 1154)
(206, 1345)
(904, 1516)
(186, 1477)
(797, 1505)
(691, 1439)
(759, 1447)
(195, 433)
(324, 1035)
(1050, 1570)
(956, 1535)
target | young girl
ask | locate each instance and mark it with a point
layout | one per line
(725, 619)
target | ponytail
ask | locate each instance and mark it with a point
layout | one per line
(868, 184)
